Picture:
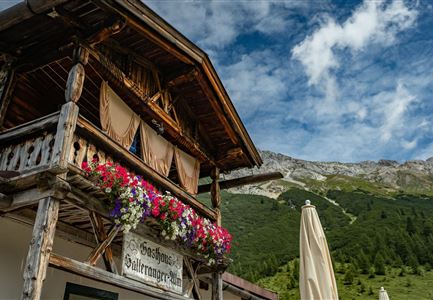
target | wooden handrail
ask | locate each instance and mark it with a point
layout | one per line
(29, 128)
(100, 139)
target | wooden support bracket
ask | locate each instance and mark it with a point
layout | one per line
(101, 237)
(195, 285)
(97, 252)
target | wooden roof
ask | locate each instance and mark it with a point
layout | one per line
(40, 36)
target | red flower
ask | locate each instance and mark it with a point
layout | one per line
(155, 212)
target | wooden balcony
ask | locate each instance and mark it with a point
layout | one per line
(32, 151)
(40, 171)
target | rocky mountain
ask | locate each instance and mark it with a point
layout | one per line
(383, 176)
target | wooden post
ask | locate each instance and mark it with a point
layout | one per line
(215, 192)
(217, 286)
(7, 82)
(64, 135)
(75, 82)
(40, 248)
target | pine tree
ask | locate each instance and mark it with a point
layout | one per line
(363, 263)
(379, 265)
(413, 263)
(410, 226)
(348, 277)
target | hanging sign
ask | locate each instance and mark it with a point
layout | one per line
(148, 262)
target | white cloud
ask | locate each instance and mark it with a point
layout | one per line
(256, 82)
(393, 109)
(374, 22)
(216, 24)
(409, 145)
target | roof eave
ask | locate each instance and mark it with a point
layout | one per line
(200, 58)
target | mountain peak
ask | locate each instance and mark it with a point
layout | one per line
(414, 176)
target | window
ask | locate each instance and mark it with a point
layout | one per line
(80, 292)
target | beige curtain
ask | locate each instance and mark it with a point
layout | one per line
(157, 151)
(117, 118)
(316, 276)
(188, 169)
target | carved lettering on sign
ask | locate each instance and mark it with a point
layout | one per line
(151, 263)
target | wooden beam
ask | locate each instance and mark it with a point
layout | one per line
(195, 282)
(24, 198)
(5, 201)
(215, 193)
(27, 129)
(43, 186)
(40, 248)
(147, 106)
(230, 112)
(139, 19)
(100, 236)
(64, 231)
(183, 78)
(7, 84)
(25, 10)
(106, 32)
(217, 108)
(97, 252)
(217, 292)
(82, 269)
(227, 184)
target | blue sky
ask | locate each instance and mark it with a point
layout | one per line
(321, 80)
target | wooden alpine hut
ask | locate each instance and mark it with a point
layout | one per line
(90, 90)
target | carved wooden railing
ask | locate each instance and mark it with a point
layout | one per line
(40, 145)
(28, 146)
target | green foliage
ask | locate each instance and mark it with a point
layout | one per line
(379, 265)
(369, 233)
(362, 288)
(265, 233)
(348, 276)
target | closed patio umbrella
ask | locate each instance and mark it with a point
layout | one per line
(316, 276)
(383, 295)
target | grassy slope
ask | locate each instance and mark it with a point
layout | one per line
(266, 231)
(407, 287)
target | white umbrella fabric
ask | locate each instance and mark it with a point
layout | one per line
(316, 276)
(383, 295)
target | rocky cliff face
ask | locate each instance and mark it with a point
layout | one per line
(414, 176)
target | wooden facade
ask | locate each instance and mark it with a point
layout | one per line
(54, 55)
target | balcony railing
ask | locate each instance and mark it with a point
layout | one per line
(31, 148)
(28, 146)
